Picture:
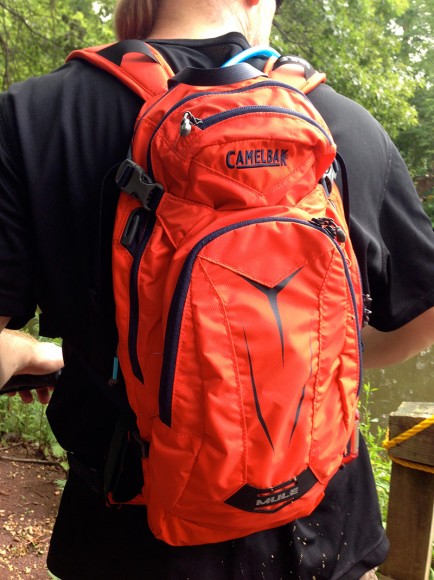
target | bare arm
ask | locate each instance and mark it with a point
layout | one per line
(22, 354)
(383, 349)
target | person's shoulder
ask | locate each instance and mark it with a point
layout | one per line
(74, 76)
(360, 138)
(76, 90)
(336, 108)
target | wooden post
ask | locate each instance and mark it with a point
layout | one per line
(411, 500)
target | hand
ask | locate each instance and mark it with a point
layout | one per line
(43, 358)
(43, 394)
(47, 358)
(21, 354)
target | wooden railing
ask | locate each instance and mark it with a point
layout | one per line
(410, 522)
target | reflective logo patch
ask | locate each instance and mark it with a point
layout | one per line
(277, 497)
(273, 499)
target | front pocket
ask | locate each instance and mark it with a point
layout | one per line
(252, 317)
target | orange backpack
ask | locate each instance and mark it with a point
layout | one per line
(238, 297)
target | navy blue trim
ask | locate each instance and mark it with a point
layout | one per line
(218, 117)
(303, 392)
(134, 298)
(255, 396)
(180, 295)
(353, 300)
(271, 294)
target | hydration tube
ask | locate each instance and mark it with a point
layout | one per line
(250, 53)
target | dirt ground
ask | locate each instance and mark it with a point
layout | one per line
(29, 497)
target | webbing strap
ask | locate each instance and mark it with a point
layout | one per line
(91, 476)
(302, 82)
(116, 52)
(213, 77)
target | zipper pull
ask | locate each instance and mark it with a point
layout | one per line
(188, 120)
(329, 225)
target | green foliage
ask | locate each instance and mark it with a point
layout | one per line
(374, 435)
(358, 45)
(28, 423)
(36, 35)
(428, 205)
(377, 52)
(417, 142)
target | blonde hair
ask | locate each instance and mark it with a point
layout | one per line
(134, 18)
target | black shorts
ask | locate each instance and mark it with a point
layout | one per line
(343, 538)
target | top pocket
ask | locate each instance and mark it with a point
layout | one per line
(256, 146)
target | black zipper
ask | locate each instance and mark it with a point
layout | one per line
(223, 116)
(180, 294)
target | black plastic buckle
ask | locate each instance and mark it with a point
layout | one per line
(133, 179)
(329, 177)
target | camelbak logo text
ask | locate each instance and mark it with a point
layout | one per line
(251, 158)
(277, 498)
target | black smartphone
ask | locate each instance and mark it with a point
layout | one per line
(27, 382)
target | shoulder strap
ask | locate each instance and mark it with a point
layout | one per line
(300, 74)
(131, 61)
(294, 71)
(214, 77)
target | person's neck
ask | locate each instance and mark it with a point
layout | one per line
(166, 34)
(190, 32)
(176, 24)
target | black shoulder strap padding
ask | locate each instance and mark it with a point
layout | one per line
(213, 77)
(116, 52)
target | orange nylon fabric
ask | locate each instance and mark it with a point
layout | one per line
(238, 317)
(135, 68)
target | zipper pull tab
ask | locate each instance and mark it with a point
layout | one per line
(329, 225)
(341, 236)
(188, 120)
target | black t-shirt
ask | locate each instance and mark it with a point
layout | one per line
(61, 136)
